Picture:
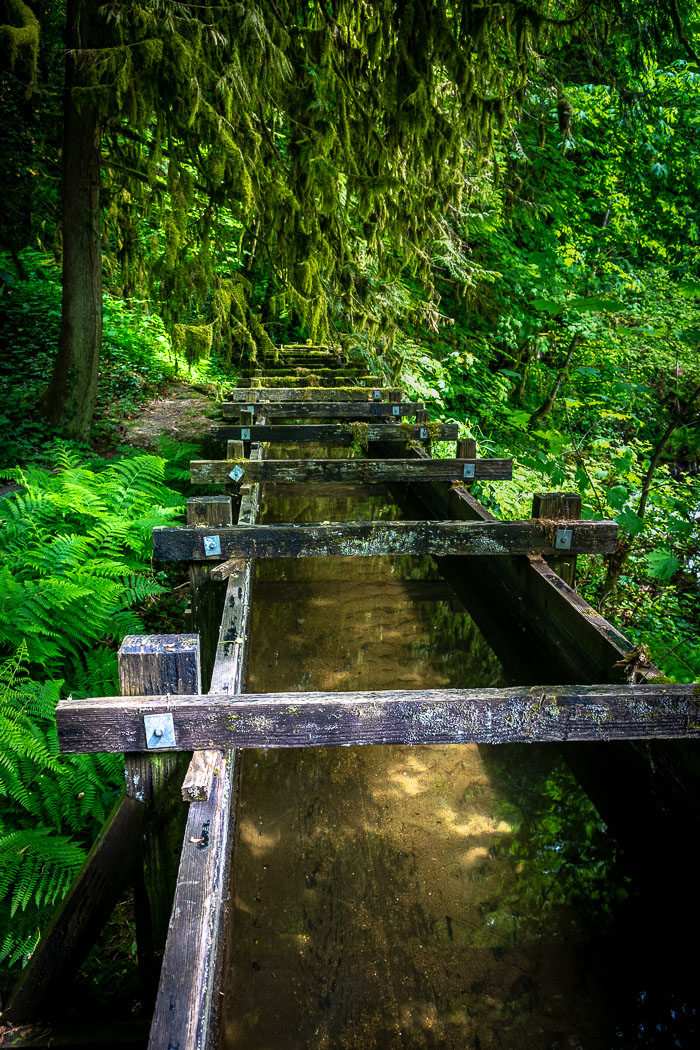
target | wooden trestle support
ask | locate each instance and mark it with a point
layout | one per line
(559, 646)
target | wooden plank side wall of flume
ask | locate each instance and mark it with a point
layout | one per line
(555, 643)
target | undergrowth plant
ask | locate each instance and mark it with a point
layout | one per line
(75, 553)
(50, 805)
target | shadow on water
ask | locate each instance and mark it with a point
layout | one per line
(421, 897)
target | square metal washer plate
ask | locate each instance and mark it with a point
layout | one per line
(160, 730)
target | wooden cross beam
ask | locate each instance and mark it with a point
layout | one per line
(287, 381)
(336, 433)
(322, 409)
(370, 538)
(362, 471)
(432, 716)
(311, 393)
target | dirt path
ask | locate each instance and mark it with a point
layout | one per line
(180, 412)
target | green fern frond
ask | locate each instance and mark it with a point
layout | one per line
(19, 935)
(36, 865)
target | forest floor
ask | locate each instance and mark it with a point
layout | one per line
(182, 412)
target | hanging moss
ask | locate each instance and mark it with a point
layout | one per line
(321, 152)
(19, 40)
(194, 341)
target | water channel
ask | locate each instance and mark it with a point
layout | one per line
(394, 897)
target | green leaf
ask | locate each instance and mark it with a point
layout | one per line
(550, 306)
(691, 289)
(680, 527)
(617, 496)
(630, 521)
(661, 564)
(690, 335)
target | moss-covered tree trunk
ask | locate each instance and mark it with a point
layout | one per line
(72, 392)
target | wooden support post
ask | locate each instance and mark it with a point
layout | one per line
(246, 418)
(423, 418)
(207, 595)
(555, 506)
(148, 665)
(235, 450)
(466, 448)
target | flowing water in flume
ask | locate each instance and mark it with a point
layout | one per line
(417, 897)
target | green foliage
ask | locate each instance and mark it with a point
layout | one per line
(75, 550)
(45, 801)
(76, 539)
(566, 857)
(138, 358)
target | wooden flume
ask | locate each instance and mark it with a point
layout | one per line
(552, 633)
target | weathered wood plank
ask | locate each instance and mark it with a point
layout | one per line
(317, 409)
(309, 376)
(347, 471)
(371, 538)
(340, 393)
(206, 592)
(78, 920)
(263, 382)
(199, 781)
(335, 433)
(185, 1003)
(433, 716)
(293, 372)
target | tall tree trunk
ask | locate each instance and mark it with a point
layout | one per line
(72, 392)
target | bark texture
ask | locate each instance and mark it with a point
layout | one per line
(72, 391)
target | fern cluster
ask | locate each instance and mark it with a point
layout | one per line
(73, 548)
(75, 552)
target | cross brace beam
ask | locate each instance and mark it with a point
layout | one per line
(335, 433)
(316, 393)
(325, 409)
(363, 471)
(372, 538)
(431, 716)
